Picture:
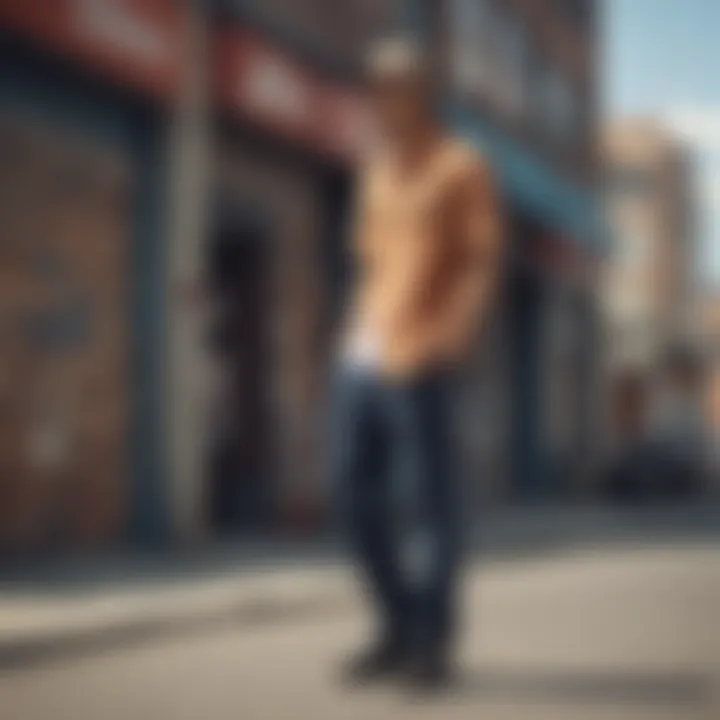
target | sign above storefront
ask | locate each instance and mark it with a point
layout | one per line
(262, 84)
(137, 42)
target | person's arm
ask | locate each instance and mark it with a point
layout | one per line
(479, 231)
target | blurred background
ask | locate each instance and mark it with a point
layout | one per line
(176, 183)
(175, 196)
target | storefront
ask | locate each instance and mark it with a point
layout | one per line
(284, 139)
(82, 120)
(173, 358)
(566, 273)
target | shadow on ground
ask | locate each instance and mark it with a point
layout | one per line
(596, 687)
(53, 649)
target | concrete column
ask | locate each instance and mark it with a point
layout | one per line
(187, 369)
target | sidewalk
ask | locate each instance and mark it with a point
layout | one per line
(80, 605)
(34, 626)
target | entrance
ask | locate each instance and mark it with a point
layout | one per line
(525, 317)
(239, 457)
(525, 312)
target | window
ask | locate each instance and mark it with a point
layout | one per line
(557, 104)
(469, 30)
(581, 13)
(511, 49)
(490, 52)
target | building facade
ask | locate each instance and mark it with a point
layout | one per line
(649, 280)
(708, 328)
(222, 141)
(526, 412)
(85, 96)
(520, 80)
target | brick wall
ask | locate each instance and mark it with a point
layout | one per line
(64, 299)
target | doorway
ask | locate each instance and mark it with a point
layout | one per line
(525, 313)
(240, 474)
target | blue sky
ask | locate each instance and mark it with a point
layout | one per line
(662, 58)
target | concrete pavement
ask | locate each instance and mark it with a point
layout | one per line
(616, 634)
(74, 607)
(34, 626)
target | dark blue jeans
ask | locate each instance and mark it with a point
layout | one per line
(393, 461)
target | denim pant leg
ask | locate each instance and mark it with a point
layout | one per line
(361, 446)
(432, 526)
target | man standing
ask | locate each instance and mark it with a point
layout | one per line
(427, 242)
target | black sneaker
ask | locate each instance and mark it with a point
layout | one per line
(380, 661)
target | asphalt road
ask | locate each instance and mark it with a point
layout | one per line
(613, 634)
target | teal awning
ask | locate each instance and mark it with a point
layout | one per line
(532, 186)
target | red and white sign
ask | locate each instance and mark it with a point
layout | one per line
(137, 42)
(263, 84)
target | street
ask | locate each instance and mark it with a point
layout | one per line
(605, 634)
